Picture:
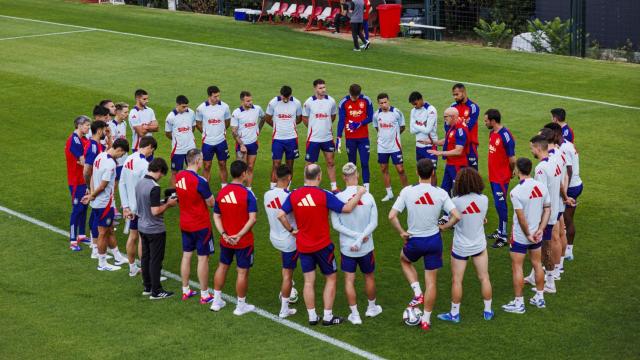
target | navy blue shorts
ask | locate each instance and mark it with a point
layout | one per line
(516, 247)
(284, 148)
(252, 149)
(221, 151)
(464, 258)
(133, 223)
(367, 263)
(574, 192)
(77, 193)
(102, 217)
(323, 258)
(560, 215)
(472, 156)
(546, 234)
(355, 146)
(421, 153)
(396, 158)
(289, 259)
(118, 172)
(244, 257)
(429, 248)
(313, 149)
(201, 241)
(178, 161)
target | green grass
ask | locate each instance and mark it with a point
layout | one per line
(55, 303)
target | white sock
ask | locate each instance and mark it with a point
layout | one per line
(354, 309)
(556, 270)
(487, 305)
(366, 186)
(312, 314)
(389, 191)
(426, 317)
(102, 260)
(186, 290)
(549, 280)
(284, 305)
(455, 309)
(217, 295)
(562, 260)
(519, 300)
(116, 253)
(132, 267)
(242, 300)
(416, 288)
(272, 185)
(372, 303)
(204, 293)
(328, 315)
(540, 294)
(569, 249)
(334, 186)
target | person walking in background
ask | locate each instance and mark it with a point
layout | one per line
(356, 14)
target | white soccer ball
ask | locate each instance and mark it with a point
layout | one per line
(293, 298)
(412, 316)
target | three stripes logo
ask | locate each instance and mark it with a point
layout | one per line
(182, 184)
(425, 199)
(472, 209)
(535, 193)
(230, 198)
(307, 201)
(129, 165)
(558, 170)
(275, 204)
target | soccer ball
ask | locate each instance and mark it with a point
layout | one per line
(412, 316)
(293, 298)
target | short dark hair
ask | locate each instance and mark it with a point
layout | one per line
(121, 144)
(540, 141)
(557, 131)
(317, 82)
(493, 114)
(383, 96)
(312, 172)
(286, 91)
(244, 94)
(158, 165)
(524, 165)
(283, 171)
(212, 90)
(182, 100)
(139, 93)
(237, 168)
(425, 168)
(193, 155)
(458, 86)
(559, 113)
(105, 102)
(146, 141)
(100, 110)
(97, 125)
(355, 90)
(468, 181)
(549, 135)
(414, 96)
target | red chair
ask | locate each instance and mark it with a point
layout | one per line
(299, 11)
(281, 9)
(329, 19)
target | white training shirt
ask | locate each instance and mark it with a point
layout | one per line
(246, 120)
(104, 169)
(353, 227)
(573, 159)
(118, 131)
(424, 124)
(284, 117)
(468, 234)
(319, 112)
(424, 204)
(560, 157)
(549, 172)
(213, 118)
(135, 168)
(137, 117)
(181, 126)
(529, 196)
(388, 124)
(279, 236)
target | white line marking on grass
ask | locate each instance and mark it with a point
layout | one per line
(47, 34)
(391, 72)
(290, 324)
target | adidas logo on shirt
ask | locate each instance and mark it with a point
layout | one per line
(425, 199)
(307, 201)
(359, 201)
(535, 193)
(230, 198)
(182, 184)
(275, 204)
(558, 170)
(129, 165)
(472, 209)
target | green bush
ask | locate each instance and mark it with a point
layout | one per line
(556, 33)
(492, 34)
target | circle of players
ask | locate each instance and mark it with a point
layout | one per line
(543, 200)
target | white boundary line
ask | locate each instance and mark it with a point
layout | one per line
(290, 324)
(48, 34)
(390, 72)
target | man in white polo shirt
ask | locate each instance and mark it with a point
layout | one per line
(246, 122)
(179, 127)
(213, 117)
